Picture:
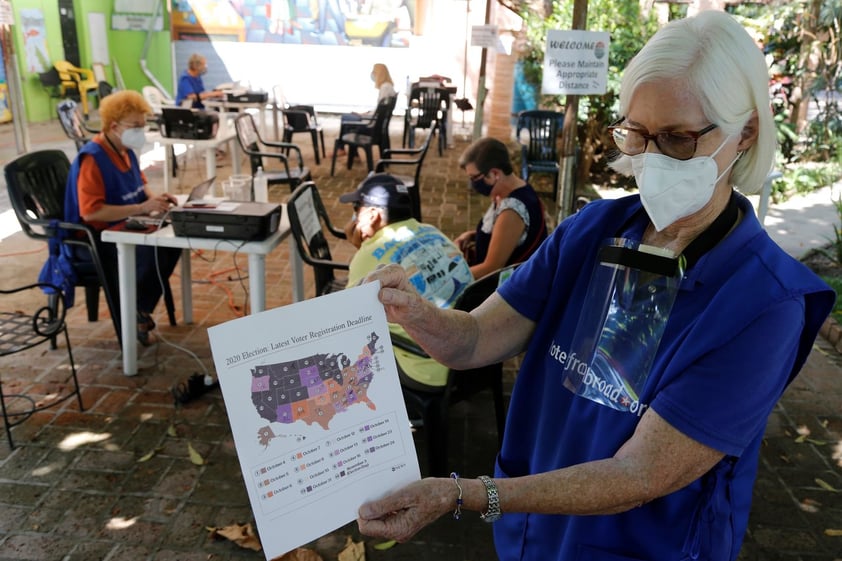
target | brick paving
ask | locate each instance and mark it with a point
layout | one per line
(75, 487)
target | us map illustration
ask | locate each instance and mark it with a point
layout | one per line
(313, 389)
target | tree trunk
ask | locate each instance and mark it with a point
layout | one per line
(800, 98)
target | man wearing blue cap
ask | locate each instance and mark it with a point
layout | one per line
(384, 231)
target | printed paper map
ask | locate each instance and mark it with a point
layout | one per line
(317, 413)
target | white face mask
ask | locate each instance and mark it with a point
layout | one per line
(671, 189)
(134, 138)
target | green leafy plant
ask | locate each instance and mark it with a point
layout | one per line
(834, 251)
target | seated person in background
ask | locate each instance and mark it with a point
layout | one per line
(513, 226)
(385, 88)
(105, 186)
(383, 231)
(191, 86)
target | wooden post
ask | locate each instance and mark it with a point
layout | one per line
(567, 177)
(16, 101)
(481, 91)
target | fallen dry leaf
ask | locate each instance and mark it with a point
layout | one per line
(385, 545)
(810, 505)
(171, 430)
(835, 532)
(299, 554)
(354, 551)
(195, 457)
(241, 534)
(825, 485)
(146, 457)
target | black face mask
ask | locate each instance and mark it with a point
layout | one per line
(480, 186)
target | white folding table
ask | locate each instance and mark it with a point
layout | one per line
(225, 134)
(257, 251)
(228, 106)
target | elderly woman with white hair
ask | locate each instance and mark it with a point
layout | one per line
(660, 329)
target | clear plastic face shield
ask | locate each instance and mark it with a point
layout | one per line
(632, 290)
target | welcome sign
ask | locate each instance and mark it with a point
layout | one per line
(575, 62)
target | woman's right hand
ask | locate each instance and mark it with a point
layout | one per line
(465, 239)
(402, 302)
(157, 205)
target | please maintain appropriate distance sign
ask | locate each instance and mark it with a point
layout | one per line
(575, 62)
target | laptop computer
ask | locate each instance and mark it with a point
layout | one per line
(196, 198)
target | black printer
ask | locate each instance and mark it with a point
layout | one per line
(190, 124)
(231, 220)
(247, 97)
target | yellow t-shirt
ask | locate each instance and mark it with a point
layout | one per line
(436, 269)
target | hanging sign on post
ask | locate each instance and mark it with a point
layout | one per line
(575, 62)
(484, 36)
(6, 17)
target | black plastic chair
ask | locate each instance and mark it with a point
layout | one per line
(258, 149)
(103, 89)
(409, 159)
(305, 208)
(51, 82)
(433, 403)
(24, 329)
(426, 109)
(304, 119)
(72, 124)
(36, 183)
(366, 134)
(539, 150)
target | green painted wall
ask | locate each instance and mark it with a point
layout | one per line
(38, 103)
(125, 48)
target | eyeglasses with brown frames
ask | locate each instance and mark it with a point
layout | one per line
(680, 145)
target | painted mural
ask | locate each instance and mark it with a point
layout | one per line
(381, 23)
(5, 112)
(34, 40)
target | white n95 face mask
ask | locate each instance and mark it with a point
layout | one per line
(133, 138)
(671, 189)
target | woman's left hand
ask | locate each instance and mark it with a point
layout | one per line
(404, 513)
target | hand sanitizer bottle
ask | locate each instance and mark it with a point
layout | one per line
(261, 187)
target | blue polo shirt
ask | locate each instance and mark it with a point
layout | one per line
(188, 85)
(741, 327)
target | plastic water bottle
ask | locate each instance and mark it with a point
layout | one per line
(261, 187)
